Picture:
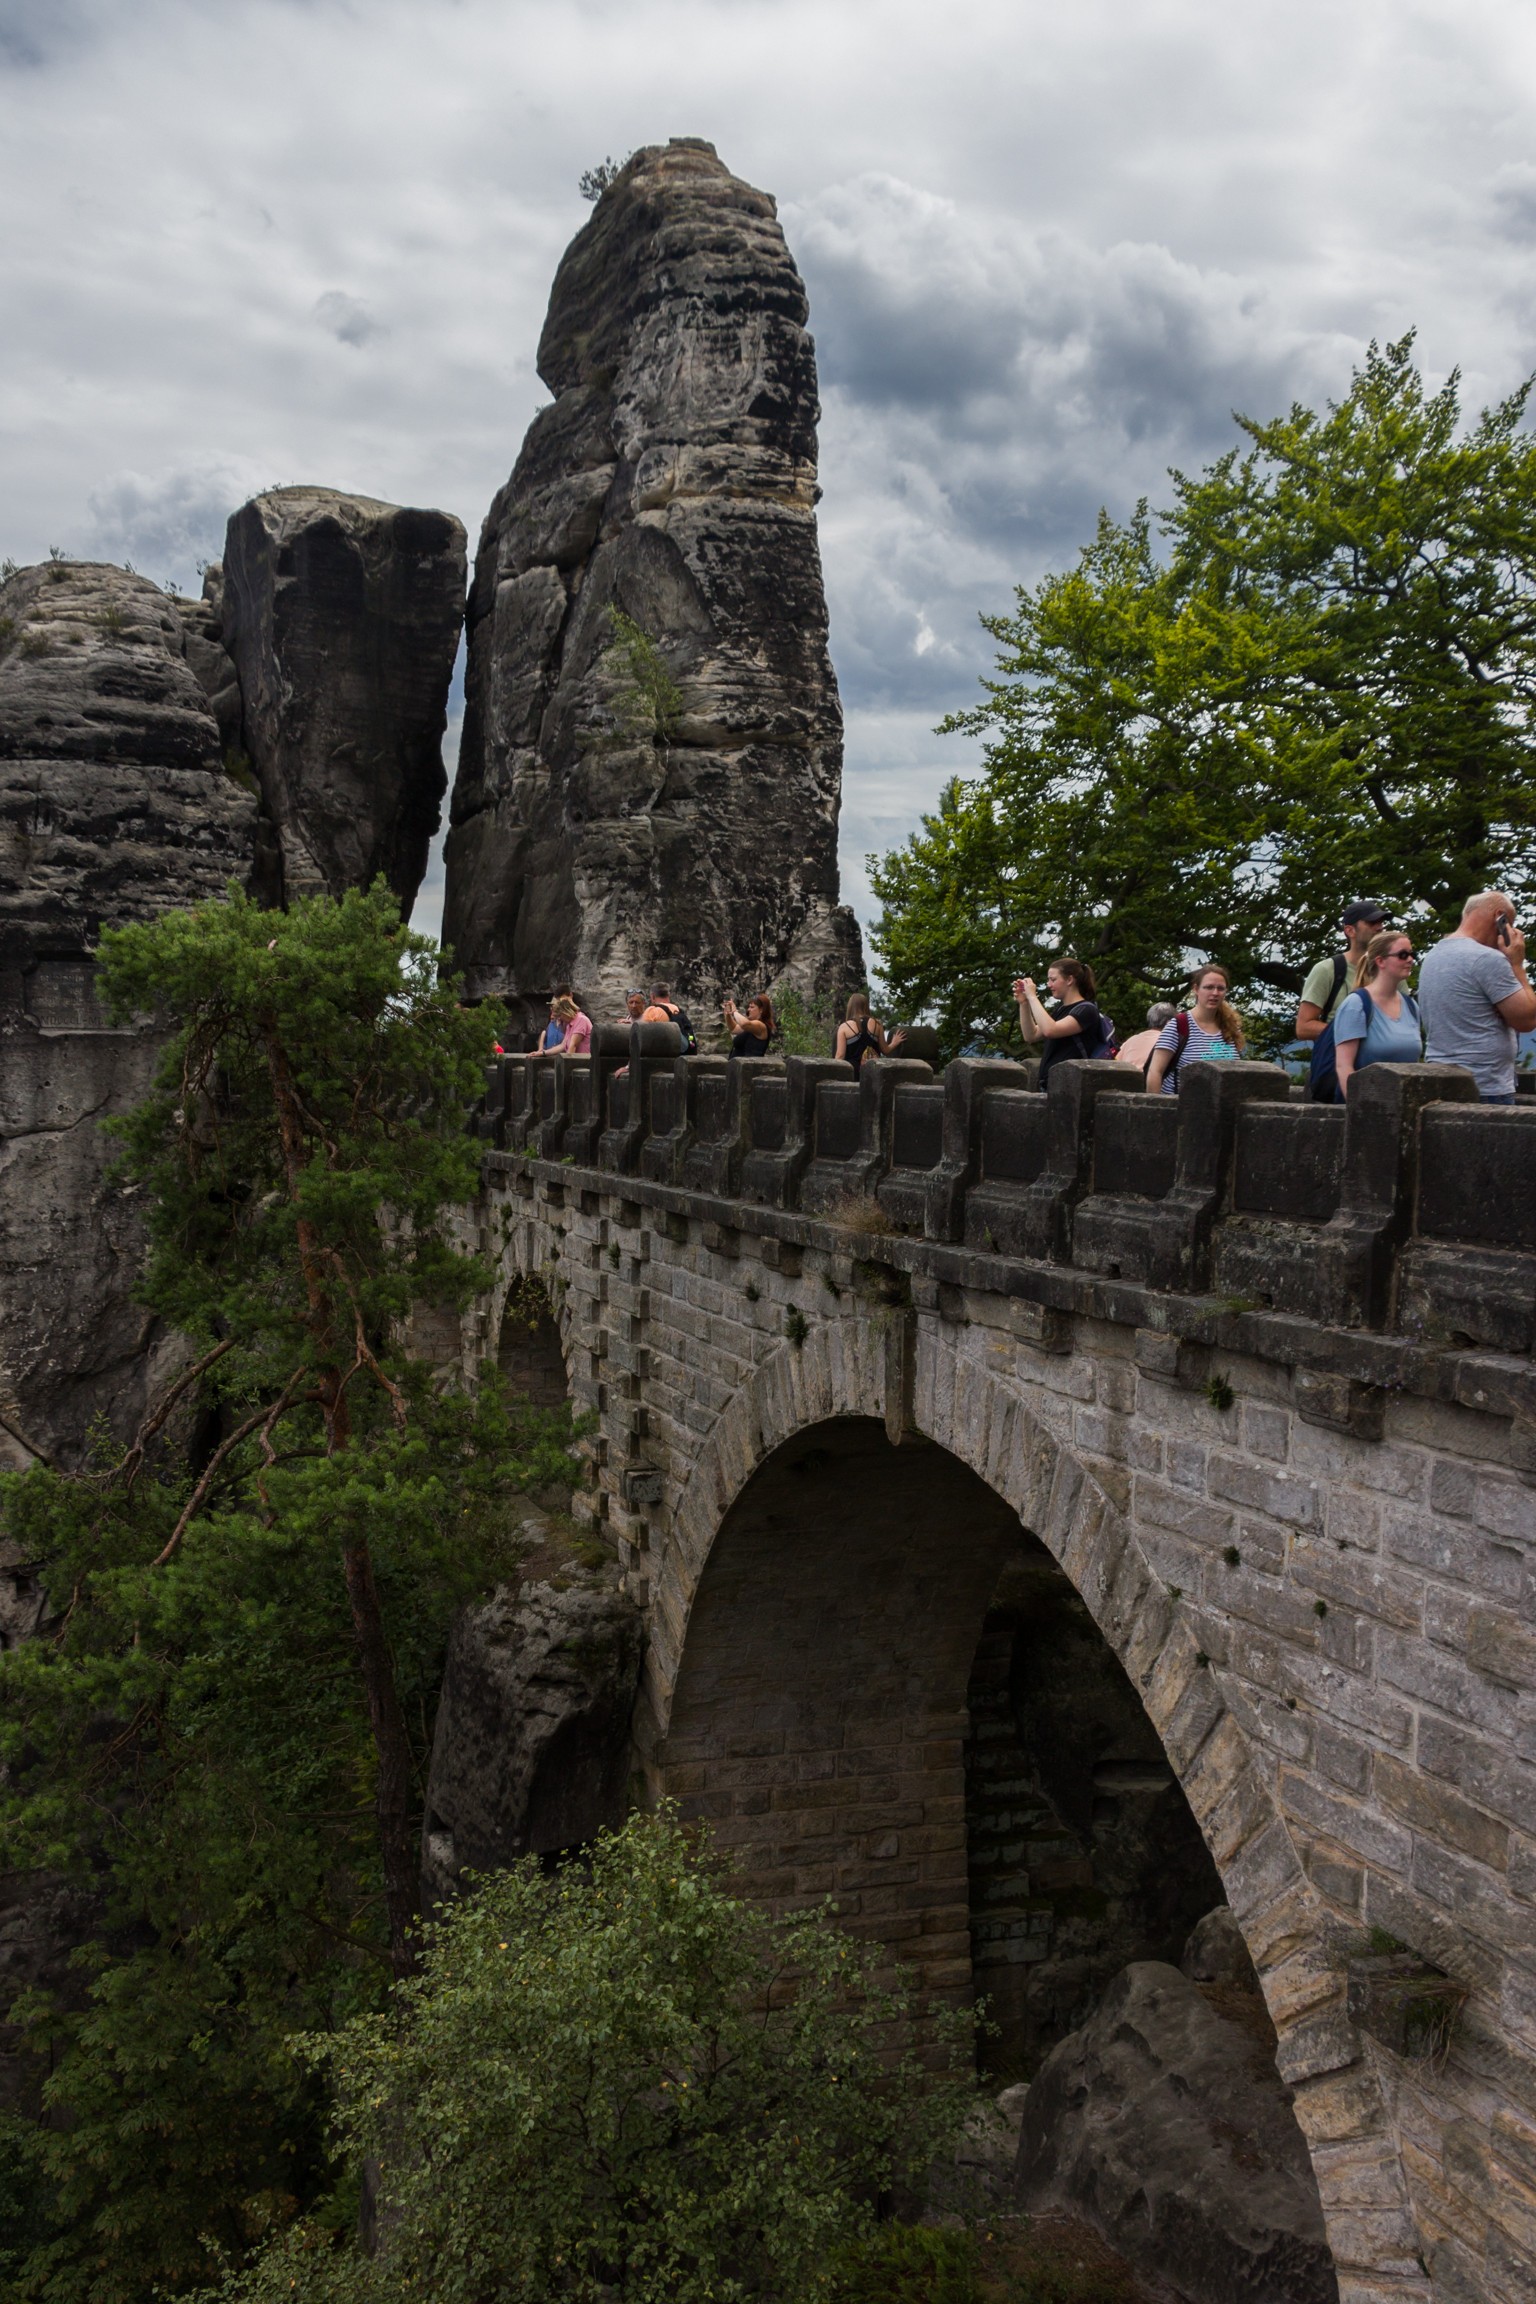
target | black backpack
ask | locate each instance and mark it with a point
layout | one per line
(679, 1017)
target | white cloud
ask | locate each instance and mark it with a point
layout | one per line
(1048, 250)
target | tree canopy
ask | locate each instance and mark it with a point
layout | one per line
(1311, 678)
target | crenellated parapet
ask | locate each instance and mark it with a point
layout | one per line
(1410, 1214)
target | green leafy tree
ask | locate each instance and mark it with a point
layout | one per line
(625, 2081)
(223, 1728)
(1315, 681)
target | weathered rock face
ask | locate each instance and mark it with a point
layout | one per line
(1167, 2127)
(531, 1750)
(667, 805)
(114, 805)
(342, 617)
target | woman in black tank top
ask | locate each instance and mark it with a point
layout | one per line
(750, 1033)
(860, 1034)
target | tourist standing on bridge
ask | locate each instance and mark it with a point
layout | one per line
(1331, 978)
(575, 1028)
(1378, 1022)
(752, 1031)
(860, 1034)
(554, 1030)
(1077, 1029)
(1138, 1049)
(1209, 1031)
(1476, 996)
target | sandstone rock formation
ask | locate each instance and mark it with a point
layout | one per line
(660, 798)
(531, 1748)
(114, 804)
(124, 713)
(342, 616)
(1167, 2127)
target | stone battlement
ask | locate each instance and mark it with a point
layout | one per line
(1252, 1216)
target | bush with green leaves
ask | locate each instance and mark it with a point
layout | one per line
(624, 2081)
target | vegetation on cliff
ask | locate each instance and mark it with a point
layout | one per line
(1313, 679)
(222, 1729)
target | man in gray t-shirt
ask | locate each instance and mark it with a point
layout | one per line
(1475, 997)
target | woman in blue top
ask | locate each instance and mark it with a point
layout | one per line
(1378, 1023)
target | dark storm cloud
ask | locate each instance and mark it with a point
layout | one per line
(345, 318)
(36, 32)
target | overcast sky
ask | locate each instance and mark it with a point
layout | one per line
(1049, 250)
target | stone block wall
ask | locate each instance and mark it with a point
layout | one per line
(1308, 1542)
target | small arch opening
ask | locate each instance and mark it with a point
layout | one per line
(529, 1352)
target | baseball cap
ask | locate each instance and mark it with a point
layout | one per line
(1367, 909)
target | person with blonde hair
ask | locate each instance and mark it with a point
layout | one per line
(1379, 1021)
(1208, 1031)
(860, 1034)
(576, 1028)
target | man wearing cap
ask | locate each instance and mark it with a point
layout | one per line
(1327, 983)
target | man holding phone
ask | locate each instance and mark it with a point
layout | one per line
(1476, 998)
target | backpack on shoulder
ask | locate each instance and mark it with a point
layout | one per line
(1322, 1072)
(1181, 1035)
(679, 1017)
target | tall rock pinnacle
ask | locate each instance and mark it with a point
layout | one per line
(650, 770)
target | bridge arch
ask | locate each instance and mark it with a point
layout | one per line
(815, 1618)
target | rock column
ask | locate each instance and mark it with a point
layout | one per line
(342, 616)
(650, 772)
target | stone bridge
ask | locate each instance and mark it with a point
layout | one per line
(1204, 1428)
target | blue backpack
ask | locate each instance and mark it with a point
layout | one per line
(1322, 1073)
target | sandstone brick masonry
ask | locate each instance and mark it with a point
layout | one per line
(1256, 1375)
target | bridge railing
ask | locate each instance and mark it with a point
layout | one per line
(1412, 1208)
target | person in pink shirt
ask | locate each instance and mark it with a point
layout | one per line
(578, 1028)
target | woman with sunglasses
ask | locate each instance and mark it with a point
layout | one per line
(1379, 1022)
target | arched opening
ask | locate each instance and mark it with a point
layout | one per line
(891, 1694)
(528, 1349)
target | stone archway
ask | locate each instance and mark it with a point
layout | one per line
(806, 1689)
(530, 1351)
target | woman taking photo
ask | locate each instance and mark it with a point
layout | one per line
(1208, 1031)
(1379, 1022)
(750, 1033)
(1077, 1028)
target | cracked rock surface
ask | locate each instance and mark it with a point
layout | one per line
(1166, 2126)
(114, 805)
(613, 817)
(531, 1749)
(342, 617)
